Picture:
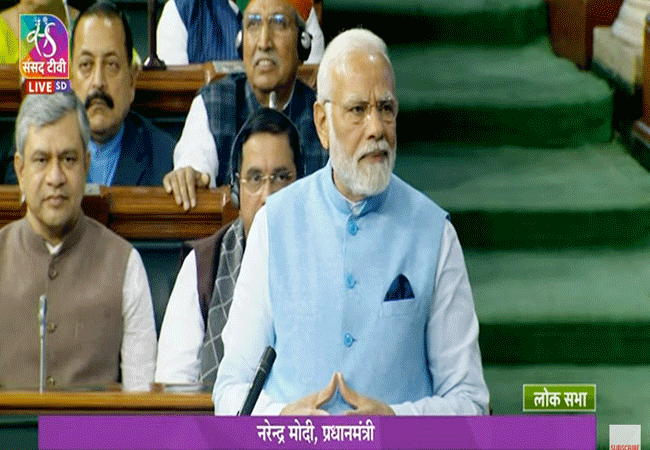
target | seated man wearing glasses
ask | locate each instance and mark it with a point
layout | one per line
(265, 158)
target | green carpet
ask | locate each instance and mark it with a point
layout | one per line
(520, 95)
(594, 177)
(499, 22)
(431, 7)
(508, 197)
(582, 286)
(583, 344)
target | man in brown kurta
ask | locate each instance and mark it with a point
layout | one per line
(98, 301)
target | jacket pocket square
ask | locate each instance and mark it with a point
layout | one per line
(400, 289)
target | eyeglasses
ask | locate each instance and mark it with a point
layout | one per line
(357, 112)
(253, 183)
(278, 23)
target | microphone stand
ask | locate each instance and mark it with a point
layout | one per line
(263, 369)
(152, 62)
(42, 318)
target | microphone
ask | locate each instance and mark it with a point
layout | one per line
(268, 357)
(42, 318)
(273, 99)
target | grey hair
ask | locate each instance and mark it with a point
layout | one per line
(356, 39)
(44, 109)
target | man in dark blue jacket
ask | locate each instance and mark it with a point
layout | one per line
(126, 149)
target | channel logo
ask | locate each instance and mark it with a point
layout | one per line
(44, 54)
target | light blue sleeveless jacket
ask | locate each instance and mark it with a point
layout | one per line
(330, 269)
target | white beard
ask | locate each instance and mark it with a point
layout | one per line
(366, 178)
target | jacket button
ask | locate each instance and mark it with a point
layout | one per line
(348, 340)
(350, 281)
(51, 327)
(52, 273)
(352, 227)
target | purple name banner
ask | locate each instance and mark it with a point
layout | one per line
(543, 432)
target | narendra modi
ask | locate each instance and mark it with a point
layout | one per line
(355, 278)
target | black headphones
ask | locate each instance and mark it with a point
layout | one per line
(235, 156)
(303, 44)
(264, 120)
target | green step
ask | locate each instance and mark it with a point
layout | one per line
(568, 306)
(519, 95)
(581, 344)
(497, 22)
(600, 287)
(622, 393)
(518, 197)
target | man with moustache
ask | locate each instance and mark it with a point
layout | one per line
(273, 44)
(99, 313)
(357, 279)
(125, 148)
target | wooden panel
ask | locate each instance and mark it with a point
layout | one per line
(599, 13)
(567, 26)
(9, 88)
(10, 206)
(572, 23)
(30, 402)
(151, 213)
(158, 92)
(169, 91)
(142, 212)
